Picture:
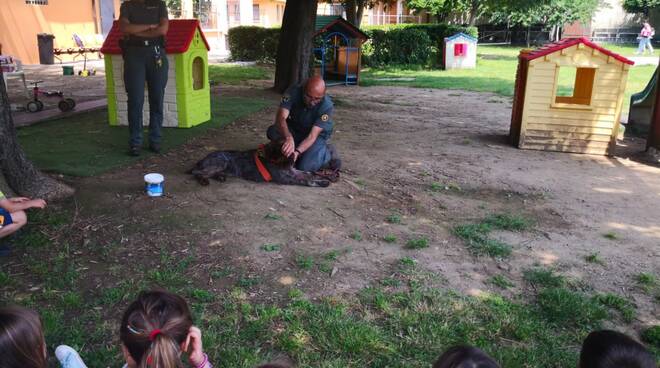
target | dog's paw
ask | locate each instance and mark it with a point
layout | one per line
(202, 180)
(322, 183)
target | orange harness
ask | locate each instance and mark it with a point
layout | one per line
(260, 166)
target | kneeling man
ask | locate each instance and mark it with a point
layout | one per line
(304, 124)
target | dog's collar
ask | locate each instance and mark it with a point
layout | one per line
(260, 166)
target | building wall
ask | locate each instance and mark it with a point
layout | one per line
(612, 15)
(574, 129)
(20, 23)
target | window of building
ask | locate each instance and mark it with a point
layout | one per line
(255, 13)
(36, 2)
(574, 85)
(198, 73)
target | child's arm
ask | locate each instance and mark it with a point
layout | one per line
(20, 204)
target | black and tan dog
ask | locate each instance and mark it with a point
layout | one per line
(261, 165)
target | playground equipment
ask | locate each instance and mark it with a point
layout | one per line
(65, 104)
(641, 106)
(338, 57)
(584, 119)
(459, 52)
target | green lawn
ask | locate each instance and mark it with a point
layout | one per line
(495, 72)
(236, 74)
(85, 145)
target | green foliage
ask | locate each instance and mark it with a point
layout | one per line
(652, 336)
(304, 262)
(594, 258)
(611, 235)
(418, 243)
(543, 278)
(640, 6)
(501, 281)
(504, 221)
(570, 309)
(253, 43)
(271, 247)
(625, 307)
(548, 12)
(389, 238)
(406, 44)
(356, 235)
(394, 218)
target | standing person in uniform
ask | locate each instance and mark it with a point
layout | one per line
(304, 123)
(144, 24)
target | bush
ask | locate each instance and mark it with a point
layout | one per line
(407, 43)
(253, 43)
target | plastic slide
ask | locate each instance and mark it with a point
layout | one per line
(641, 106)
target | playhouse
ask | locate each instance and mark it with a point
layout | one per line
(338, 55)
(568, 97)
(187, 99)
(459, 52)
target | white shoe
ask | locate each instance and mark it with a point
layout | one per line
(69, 357)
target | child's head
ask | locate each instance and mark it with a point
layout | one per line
(611, 349)
(22, 342)
(154, 329)
(465, 357)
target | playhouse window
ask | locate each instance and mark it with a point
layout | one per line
(36, 2)
(198, 73)
(460, 49)
(574, 85)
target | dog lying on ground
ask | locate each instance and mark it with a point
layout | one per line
(274, 167)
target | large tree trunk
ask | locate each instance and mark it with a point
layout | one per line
(19, 173)
(360, 13)
(354, 11)
(294, 52)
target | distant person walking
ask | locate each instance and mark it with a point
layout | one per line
(645, 37)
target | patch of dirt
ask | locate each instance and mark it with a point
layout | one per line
(395, 143)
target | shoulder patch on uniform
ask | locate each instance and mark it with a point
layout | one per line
(286, 98)
(325, 117)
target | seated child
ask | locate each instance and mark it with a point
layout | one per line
(465, 357)
(22, 343)
(611, 349)
(156, 329)
(12, 215)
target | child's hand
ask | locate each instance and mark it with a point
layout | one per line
(38, 203)
(18, 199)
(194, 346)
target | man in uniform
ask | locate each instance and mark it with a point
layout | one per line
(304, 123)
(144, 24)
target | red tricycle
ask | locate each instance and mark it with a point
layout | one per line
(65, 104)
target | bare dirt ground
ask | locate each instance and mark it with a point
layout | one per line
(395, 143)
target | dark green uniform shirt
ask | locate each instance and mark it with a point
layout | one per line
(147, 12)
(302, 119)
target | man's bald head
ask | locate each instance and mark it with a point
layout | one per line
(314, 91)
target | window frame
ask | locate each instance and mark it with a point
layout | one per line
(574, 106)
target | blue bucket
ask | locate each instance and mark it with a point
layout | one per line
(154, 184)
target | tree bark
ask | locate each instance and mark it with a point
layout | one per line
(19, 173)
(294, 52)
(351, 13)
(360, 13)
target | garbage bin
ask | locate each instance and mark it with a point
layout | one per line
(45, 42)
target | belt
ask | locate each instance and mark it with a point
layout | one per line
(144, 43)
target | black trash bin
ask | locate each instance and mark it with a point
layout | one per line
(45, 42)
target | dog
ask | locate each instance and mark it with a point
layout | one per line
(243, 164)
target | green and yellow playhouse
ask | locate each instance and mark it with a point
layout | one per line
(187, 96)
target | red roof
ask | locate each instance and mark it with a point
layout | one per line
(179, 36)
(568, 42)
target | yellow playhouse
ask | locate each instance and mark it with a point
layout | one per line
(568, 97)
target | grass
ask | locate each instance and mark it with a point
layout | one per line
(271, 247)
(476, 235)
(389, 238)
(394, 218)
(501, 281)
(594, 258)
(624, 306)
(402, 320)
(236, 74)
(418, 243)
(543, 278)
(85, 145)
(356, 235)
(611, 235)
(495, 72)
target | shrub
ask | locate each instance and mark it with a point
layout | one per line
(405, 44)
(253, 43)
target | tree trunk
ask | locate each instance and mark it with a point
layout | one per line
(294, 52)
(360, 13)
(20, 174)
(351, 13)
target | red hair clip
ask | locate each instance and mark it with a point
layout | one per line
(153, 334)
